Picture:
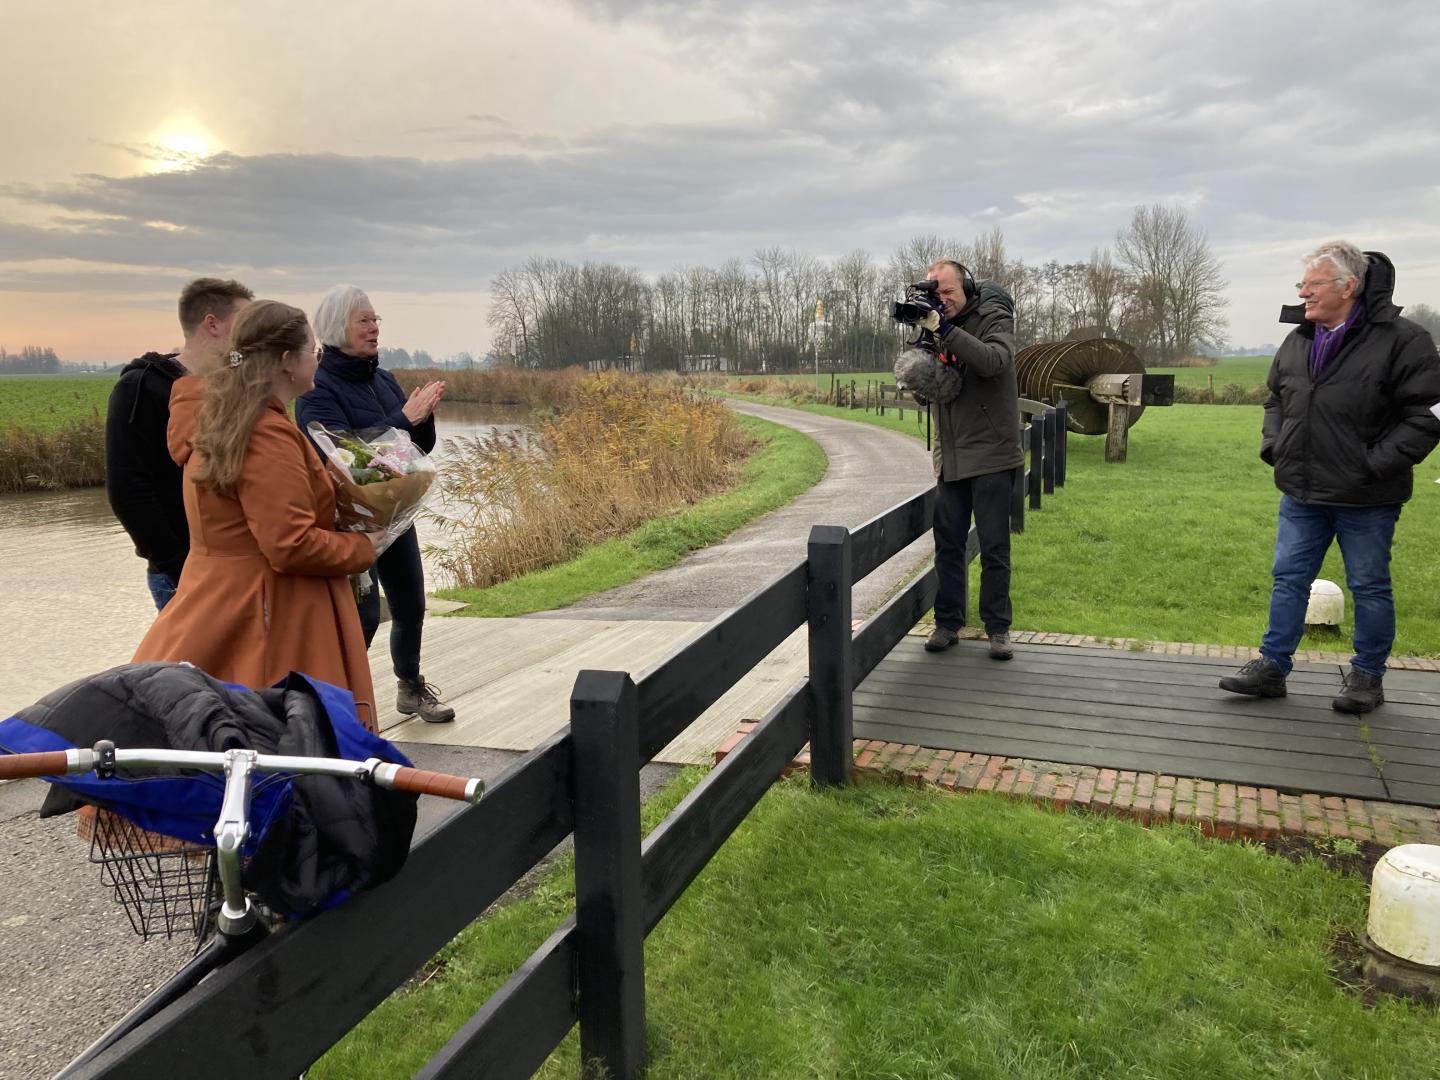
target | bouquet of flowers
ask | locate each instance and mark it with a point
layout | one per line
(382, 479)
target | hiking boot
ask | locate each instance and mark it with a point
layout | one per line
(1258, 678)
(417, 697)
(1000, 646)
(1361, 692)
(941, 638)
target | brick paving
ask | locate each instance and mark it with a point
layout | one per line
(1223, 810)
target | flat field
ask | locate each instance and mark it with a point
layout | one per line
(46, 402)
(1176, 544)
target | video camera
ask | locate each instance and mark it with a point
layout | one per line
(921, 298)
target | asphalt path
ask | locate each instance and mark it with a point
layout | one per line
(75, 966)
(870, 470)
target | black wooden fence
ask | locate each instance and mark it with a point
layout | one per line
(276, 1009)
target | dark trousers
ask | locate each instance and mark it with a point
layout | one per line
(987, 499)
(400, 574)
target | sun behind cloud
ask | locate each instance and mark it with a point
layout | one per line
(179, 144)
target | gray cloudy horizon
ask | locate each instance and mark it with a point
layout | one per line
(419, 154)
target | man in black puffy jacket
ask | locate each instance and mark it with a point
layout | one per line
(141, 481)
(1351, 412)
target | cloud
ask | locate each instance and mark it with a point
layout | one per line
(1275, 125)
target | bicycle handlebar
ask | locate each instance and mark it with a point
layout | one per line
(380, 773)
(423, 782)
(46, 763)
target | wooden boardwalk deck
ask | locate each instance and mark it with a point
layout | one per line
(1157, 713)
(509, 680)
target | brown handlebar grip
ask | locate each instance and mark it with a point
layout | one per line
(431, 783)
(44, 763)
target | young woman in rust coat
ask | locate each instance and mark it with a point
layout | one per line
(265, 589)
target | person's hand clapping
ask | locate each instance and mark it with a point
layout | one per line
(420, 404)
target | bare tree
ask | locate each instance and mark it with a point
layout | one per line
(1426, 316)
(1179, 289)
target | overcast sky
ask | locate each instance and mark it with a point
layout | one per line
(418, 149)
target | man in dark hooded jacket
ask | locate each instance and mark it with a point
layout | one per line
(976, 453)
(142, 482)
(1350, 414)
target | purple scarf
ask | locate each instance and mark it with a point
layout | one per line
(1327, 342)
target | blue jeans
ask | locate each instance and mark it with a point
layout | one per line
(1301, 541)
(162, 588)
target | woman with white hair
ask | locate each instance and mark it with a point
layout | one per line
(353, 391)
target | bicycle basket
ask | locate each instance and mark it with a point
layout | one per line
(166, 886)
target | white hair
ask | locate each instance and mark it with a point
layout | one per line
(333, 312)
(1348, 260)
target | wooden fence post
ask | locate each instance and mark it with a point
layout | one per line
(832, 721)
(609, 902)
(1051, 441)
(1037, 459)
(1017, 489)
(1062, 445)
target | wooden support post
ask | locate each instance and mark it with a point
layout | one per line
(1051, 441)
(832, 719)
(1037, 459)
(1017, 493)
(609, 901)
(1062, 445)
(852, 393)
(1117, 435)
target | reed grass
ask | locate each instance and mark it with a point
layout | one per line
(71, 455)
(621, 450)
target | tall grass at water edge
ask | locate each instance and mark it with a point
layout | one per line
(621, 450)
(52, 431)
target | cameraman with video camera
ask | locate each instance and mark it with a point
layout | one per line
(962, 366)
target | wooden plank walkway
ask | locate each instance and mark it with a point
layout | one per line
(1157, 713)
(509, 680)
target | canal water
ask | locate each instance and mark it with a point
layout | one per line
(74, 600)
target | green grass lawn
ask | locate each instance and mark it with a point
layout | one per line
(786, 464)
(1241, 370)
(46, 402)
(880, 931)
(1176, 544)
(1244, 371)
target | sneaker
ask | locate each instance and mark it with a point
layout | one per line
(1258, 678)
(941, 638)
(1361, 692)
(1000, 646)
(417, 697)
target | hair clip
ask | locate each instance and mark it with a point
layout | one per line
(235, 357)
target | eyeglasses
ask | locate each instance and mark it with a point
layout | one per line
(369, 320)
(1301, 286)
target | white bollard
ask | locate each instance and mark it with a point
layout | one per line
(1327, 604)
(1404, 915)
